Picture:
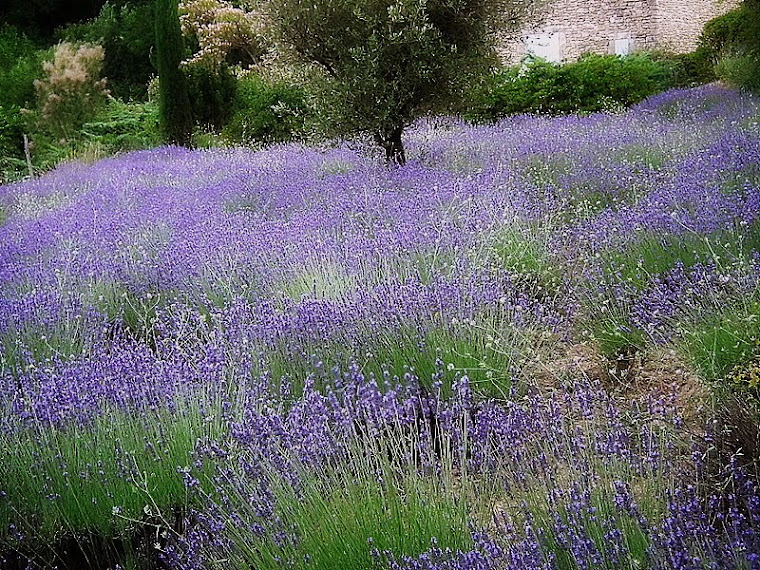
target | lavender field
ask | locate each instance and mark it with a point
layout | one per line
(520, 350)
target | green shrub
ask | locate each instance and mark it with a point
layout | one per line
(267, 113)
(733, 27)
(20, 65)
(12, 128)
(741, 70)
(593, 83)
(94, 505)
(733, 41)
(124, 126)
(213, 95)
(115, 128)
(126, 33)
(746, 375)
(694, 68)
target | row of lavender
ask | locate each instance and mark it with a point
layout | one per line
(171, 321)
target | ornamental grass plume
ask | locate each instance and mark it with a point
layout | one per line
(71, 90)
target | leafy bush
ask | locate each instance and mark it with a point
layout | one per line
(71, 105)
(12, 127)
(693, 68)
(20, 65)
(747, 374)
(593, 83)
(39, 19)
(126, 34)
(124, 126)
(733, 27)
(213, 95)
(733, 41)
(118, 127)
(266, 113)
(741, 70)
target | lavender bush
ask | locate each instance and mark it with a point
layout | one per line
(299, 357)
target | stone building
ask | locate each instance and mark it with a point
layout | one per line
(568, 29)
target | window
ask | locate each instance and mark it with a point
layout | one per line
(546, 46)
(622, 46)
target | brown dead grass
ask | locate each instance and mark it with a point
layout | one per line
(657, 374)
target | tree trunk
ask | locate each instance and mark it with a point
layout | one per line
(393, 145)
(174, 112)
(28, 156)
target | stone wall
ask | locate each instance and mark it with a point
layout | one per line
(678, 23)
(569, 28)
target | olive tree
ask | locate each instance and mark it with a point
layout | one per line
(386, 62)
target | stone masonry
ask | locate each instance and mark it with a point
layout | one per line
(568, 29)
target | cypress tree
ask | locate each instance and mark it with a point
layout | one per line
(175, 115)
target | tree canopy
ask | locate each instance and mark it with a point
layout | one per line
(389, 61)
